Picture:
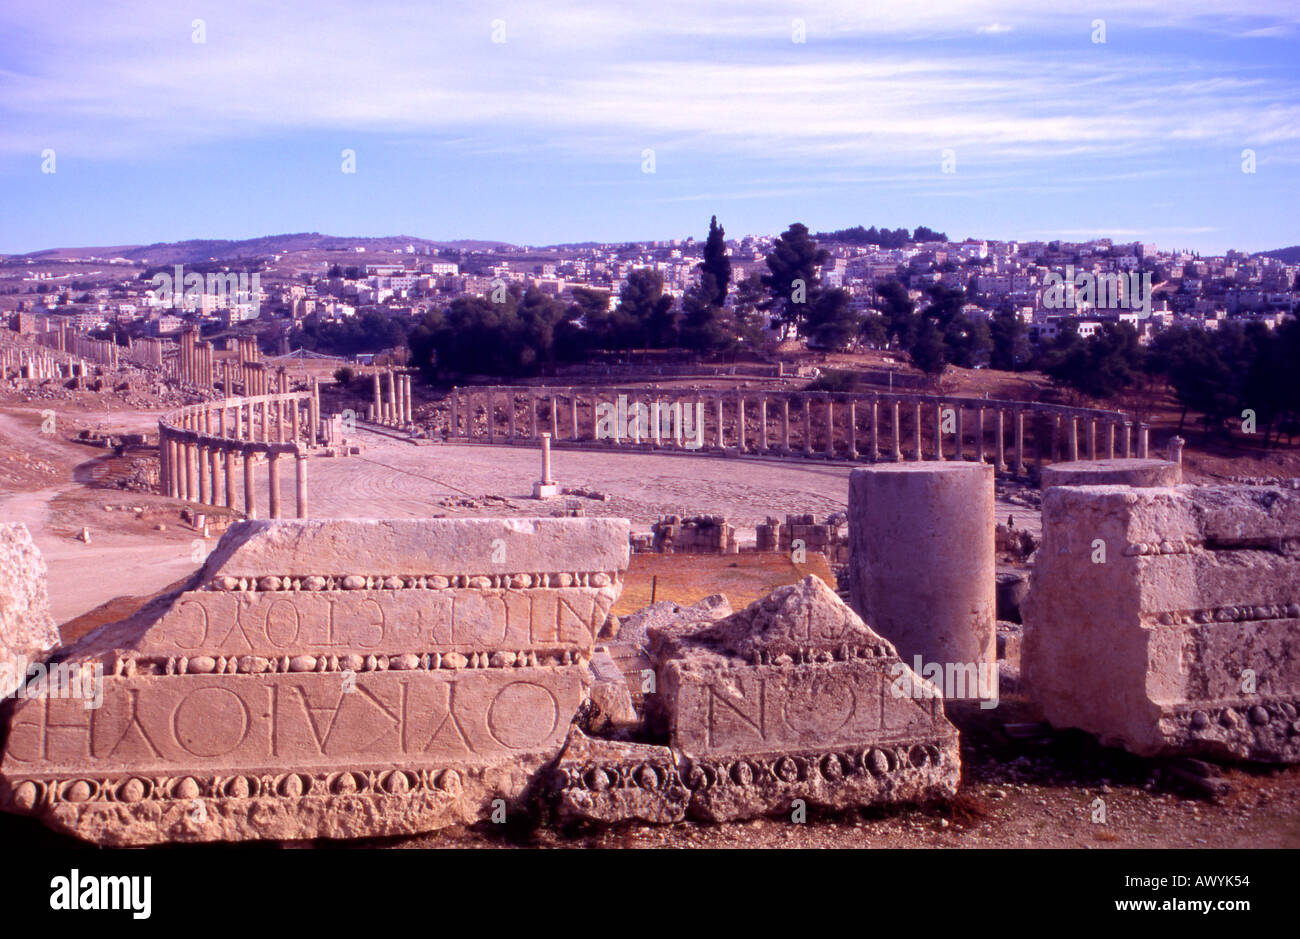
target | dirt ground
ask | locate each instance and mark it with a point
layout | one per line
(688, 578)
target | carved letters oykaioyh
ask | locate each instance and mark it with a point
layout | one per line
(301, 705)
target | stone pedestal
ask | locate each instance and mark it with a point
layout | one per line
(1120, 472)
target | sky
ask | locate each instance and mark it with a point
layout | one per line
(547, 122)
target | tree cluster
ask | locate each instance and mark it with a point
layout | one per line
(883, 238)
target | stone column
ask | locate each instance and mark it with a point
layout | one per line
(175, 462)
(830, 427)
(1110, 440)
(546, 461)
(163, 476)
(874, 454)
(205, 477)
(573, 406)
(191, 479)
(1144, 440)
(959, 452)
(762, 424)
(490, 402)
(313, 412)
(293, 422)
(897, 433)
(1072, 439)
(1128, 439)
(740, 423)
(230, 478)
(979, 430)
(1176, 445)
(532, 415)
(938, 430)
(1020, 442)
(785, 425)
(250, 482)
(917, 455)
(722, 440)
(511, 401)
(555, 417)
(922, 568)
(1092, 439)
(595, 416)
(300, 464)
(379, 408)
(1001, 450)
(853, 427)
(273, 484)
(807, 425)
(214, 457)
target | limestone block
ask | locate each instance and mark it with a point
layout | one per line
(437, 586)
(27, 633)
(396, 691)
(611, 711)
(610, 781)
(1167, 620)
(796, 698)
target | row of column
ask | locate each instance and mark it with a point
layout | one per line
(196, 471)
(34, 365)
(271, 419)
(1058, 436)
(205, 441)
(392, 406)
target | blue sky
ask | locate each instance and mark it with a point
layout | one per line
(540, 138)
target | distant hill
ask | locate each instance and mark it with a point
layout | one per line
(192, 252)
(1289, 255)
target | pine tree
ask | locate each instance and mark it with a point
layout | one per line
(716, 262)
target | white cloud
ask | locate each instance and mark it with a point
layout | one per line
(603, 80)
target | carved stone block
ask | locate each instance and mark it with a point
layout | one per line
(1167, 620)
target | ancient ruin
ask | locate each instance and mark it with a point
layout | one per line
(27, 633)
(327, 679)
(1164, 619)
(922, 569)
(792, 698)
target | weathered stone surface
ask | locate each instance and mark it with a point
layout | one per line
(426, 586)
(611, 712)
(357, 706)
(633, 627)
(27, 633)
(1123, 471)
(1167, 620)
(922, 562)
(611, 781)
(796, 698)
